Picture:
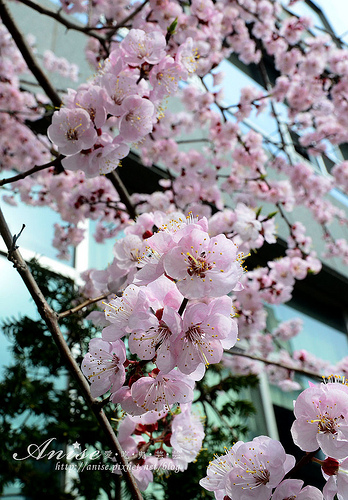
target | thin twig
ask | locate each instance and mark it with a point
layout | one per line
(273, 363)
(304, 461)
(36, 168)
(183, 306)
(51, 320)
(122, 192)
(188, 141)
(124, 21)
(86, 303)
(28, 55)
(87, 30)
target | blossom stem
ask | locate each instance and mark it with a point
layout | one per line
(122, 192)
(308, 457)
(183, 306)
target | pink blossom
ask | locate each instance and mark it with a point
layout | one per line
(128, 250)
(72, 130)
(165, 77)
(93, 101)
(187, 434)
(139, 47)
(288, 329)
(137, 115)
(246, 225)
(102, 159)
(186, 57)
(103, 366)
(336, 475)
(321, 421)
(248, 470)
(161, 391)
(117, 88)
(204, 266)
(121, 310)
(207, 329)
(291, 488)
(155, 335)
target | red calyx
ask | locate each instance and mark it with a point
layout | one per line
(330, 466)
(147, 234)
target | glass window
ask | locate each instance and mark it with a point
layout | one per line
(39, 228)
(11, 307)
(318, 337)
(99, 254)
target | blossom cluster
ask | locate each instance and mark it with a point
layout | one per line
(257, 469)
(126, 95)
(175, 316)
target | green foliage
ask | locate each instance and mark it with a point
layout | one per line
(40, 401)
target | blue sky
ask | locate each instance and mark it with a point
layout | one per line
(337, 13)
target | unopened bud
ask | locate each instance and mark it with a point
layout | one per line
(330, 466)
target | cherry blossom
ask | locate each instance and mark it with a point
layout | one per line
(161, 391)
(155, 335)
(248, 470)
(136, 120)
(335, 473)
(206, 330)
(187, 434)
(121, 310)
(292, 488)
(72, 131)
(321, 420)
(203, 265)
(139, 47)
(103, 366)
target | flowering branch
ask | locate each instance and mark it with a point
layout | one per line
(274, 363)
(86, 303)
(124, 21)
(28, 55)
(87, 30)
(36, 168)
(51, 320)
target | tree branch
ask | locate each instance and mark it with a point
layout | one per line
(87, 30)
(304, 461)
(51, 320)
(36, 168)
(28, 56)
(86, 303)
(122, 192)
(274, 363)
(126, 19)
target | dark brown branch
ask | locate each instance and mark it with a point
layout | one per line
(124, 21)
(122, 192)
(274, 363)
(87, 30)
(51, 320)
(36, 168)
(86, 303)
(304, 461)
(28, 56)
